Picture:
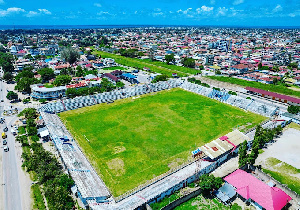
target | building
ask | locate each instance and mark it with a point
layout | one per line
(256, 192)
(274, 96)
(113, 79)
(130, 78)
(41, 92)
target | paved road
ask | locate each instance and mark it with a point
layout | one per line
(11, 184)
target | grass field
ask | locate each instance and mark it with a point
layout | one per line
(114, 68)
(134, 140)
(273, 88)
(155, 66)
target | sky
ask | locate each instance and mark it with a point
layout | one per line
(151, 12)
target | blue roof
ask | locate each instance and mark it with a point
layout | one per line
(226, 192)
(129, 75)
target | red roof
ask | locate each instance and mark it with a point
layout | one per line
(270, 198)
(276, 95)
(78, 85)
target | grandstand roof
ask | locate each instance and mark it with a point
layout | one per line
(272, 94)
(221, 145)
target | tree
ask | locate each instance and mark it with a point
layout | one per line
(70, 55)
(71, 92)
(170, 58)
(209, 182)
(11, 95)
(62, 80)
(275, 80)
(120, 84)
(158, 78)
(259, 65)
(24, 84)
(46, 74)
(28, 113)
(188, 62)
(243, 154)
(293, 65)
(293, 109)
(79, 71)
(8, 76)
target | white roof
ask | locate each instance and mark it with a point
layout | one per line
(44, 133)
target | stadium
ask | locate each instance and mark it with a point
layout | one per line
(123, 148)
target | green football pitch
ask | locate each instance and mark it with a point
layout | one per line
(134, 140)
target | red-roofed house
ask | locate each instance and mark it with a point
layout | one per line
(257, 192)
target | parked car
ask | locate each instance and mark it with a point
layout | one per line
(4, 142)
(6, 149)
(5, 129)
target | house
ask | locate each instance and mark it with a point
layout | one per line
(241, 68)
(113, 79)
(130, 78)
(255, 191)
(41, 92)
(117, 73)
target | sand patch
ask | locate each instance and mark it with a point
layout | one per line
(117, 165)
(175, 163)
(119, 149)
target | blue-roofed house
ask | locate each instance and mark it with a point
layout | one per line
(130, 78)
(226, 193)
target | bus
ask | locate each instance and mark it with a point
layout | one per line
(4, 135)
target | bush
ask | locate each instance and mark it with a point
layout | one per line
(35, 138)
(43, 100)
(293, 109)
(158, 78)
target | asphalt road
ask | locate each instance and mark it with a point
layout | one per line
(11, 183)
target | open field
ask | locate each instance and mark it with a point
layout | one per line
(155, 66)
(273, 88)
(134, 140)
(114, 68)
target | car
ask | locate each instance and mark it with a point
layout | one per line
(6, 149)
(2, 100)
(5, 129)
(4, 142)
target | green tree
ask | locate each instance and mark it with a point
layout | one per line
(209, 182)
(71, 93)
(158, 78)
(120, 84)
(24, 84)
(46, 74)
(259, 66)
(43, 100)
(188, 62)
(170, 58)
(62, 80)
(8, 76)
(79, 72)
(293, 109)
(25, 73)
(11, 95)
(243, 154)
(28, 113)
(70, 55)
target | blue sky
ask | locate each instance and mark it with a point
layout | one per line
(151, 12)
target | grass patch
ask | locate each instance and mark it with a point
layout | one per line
(37, 197)
(165, 201)
(260, 151)
(273, 88)
(134, 140)
(282, 166)
(48, 85)
(155, 66)
(114, 68)
(293, 125)
(292, 182)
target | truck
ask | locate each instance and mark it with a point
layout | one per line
(4, 135)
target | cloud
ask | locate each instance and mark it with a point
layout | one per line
(11, 10)
(2, 2)
(45, 11)
(237, 2)
(222, 11)
(31, 14)
(155, 14)
(212, 1)
(278, 8)
(97, 5)
(206, 9)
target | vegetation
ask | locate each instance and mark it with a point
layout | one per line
(70, 55)
(24, 79)
(198, 82)
(170, 58)
(46, 74)
(11, 95)
(135, 140)
(262, 136)
(273, 88)
(43, 100)
(62, 80)
(155, 66)
(293, 109)
(188, 62)
(38, 198)
(6, 61)
(114, 68)
(208, 182)
(8, 76)
(158, 78)
(165, 201)
(47, 169)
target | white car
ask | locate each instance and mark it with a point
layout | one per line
(5, 148)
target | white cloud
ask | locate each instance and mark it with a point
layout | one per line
(157, 9)
(103, 13)
(10, 11)
(236, 2)
(32, 14)
(187, 10)
(206, 9)
(45, 11)
(278, 8)
(222, 11)
(292, 15)
(155, 14)
(97, 5)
